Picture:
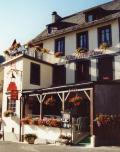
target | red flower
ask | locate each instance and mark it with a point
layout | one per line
(76, 100)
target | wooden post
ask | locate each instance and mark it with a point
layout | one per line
(20, 118)
(40, 106)
(63, 101)
(91, 112)
(39, 97)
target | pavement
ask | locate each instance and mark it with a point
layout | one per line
(23, 147)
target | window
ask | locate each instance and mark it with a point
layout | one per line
(60, 45)
(82, 71)
(90, 18)
(105, 73)
(82, 40)
(59, 75)
(11, 105)
(104, 35)
(35, 74)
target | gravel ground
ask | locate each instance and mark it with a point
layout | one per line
(22, 147)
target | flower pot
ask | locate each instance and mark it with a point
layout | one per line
(30, 138)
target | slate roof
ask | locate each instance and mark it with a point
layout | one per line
(77, 21)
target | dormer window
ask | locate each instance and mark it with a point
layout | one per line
(51, 29)
(54, 29)
(90, 18)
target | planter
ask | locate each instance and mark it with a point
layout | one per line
(104, 46)
(8, 113)
(65, 139)
(58, 54)
(30, 138)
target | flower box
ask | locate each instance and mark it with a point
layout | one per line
(41, 122)
(65, 139)
(104, 46)
(27, 120)
(58, 54)
(81, 50)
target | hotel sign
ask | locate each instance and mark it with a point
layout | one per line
(83, 55)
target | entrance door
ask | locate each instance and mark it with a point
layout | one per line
(81, 121)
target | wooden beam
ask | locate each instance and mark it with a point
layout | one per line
(56, 92)
(39, 98)
(87, 95)
(43, 98)
(60, 97)
(67, 96)
(40, 106)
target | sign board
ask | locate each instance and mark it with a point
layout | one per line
(14, 95)
(12, 89)
(83, 55)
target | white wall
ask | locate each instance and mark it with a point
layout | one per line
(117, 67)
(49, 44)
(70, 39)
(46, 133)
(70, 73)
(45, 75)
(70, 43)
(92, 34)
(93, 69)
(18, 67)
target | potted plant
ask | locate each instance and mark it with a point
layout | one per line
(53, 123)
(30, 138)
(50, 101)
(102, 120)
(104, 46)
(76, 100)
(8, 113)
(81, 50)
(44, 50)
(65, 139)
(27, 120)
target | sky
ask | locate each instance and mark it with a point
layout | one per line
(24, 19)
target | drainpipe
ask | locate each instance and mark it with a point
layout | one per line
(20, 119)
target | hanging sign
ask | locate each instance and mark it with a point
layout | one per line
(12, 89)
(14, 95)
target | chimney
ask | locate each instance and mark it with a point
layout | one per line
(55, 17)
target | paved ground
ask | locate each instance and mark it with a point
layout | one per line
(21, 147)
